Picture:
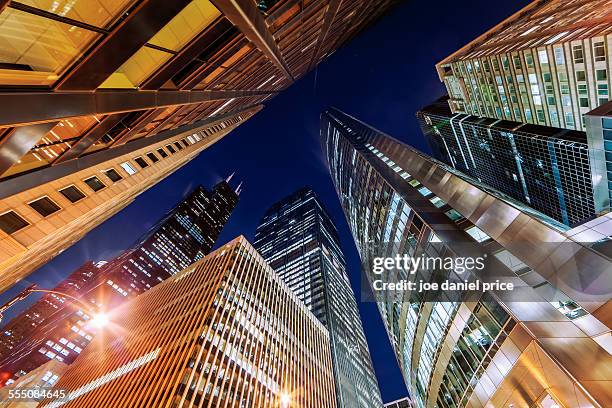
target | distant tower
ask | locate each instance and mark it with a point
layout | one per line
(297, 237)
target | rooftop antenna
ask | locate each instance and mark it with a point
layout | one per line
(227, 180)
(239, 188)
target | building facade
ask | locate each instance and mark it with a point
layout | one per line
(517, 348)
(110, 87)
(56, 327)
(544, 167)
(548, 64)
(599, 136)
(244, 340)
(298, 239)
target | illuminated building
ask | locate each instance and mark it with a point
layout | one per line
(58, 328)
(546, 343)
(101, 100)
(224, 332)
(544, 167)
(547, 64)
(298, 239)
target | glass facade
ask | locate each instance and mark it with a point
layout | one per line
(453, 352)
(297, 237)
(544, 167)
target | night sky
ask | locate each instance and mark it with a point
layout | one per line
(382, 77)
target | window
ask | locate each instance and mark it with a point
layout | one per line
(529, 60)
(578, 54)
(559, 57)
(141, 162)
(517, 62)
(543, 56)
(602, 89)
(113, 175)
(162, 153)
(178, 145)
(72, 193)
(152, 157)
(599, 51)
(477, 234)
(94, 183)
(437, 201)
(44, 206)
(129, 169)
(170, 149)
(10, 222)
(185, 142)
(601, 74)
(584, 102)
(580, 76)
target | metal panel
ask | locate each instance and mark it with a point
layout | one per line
(17, 142)
(138, 27)
(49, 106)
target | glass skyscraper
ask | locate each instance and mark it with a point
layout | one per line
(544, 344)
(55, 327)
(297, 237)
(544, 167)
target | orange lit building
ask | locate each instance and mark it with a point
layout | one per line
(101, 100)
(224, 332)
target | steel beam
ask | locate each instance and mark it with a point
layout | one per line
(18, 141)
(330, 16)
(245, 15)
(52, 106)
(134, 31)
(89, 138)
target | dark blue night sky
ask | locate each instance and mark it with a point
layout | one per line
(382, 77)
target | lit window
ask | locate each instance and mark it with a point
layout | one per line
(477, 234)
(129, 169)
(543, 56)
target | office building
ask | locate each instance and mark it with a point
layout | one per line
(545, 343)
(599, 137)
(547, 64)
(224, 332)
(120, 95)
(544, 167)
(56, 326)
(400, 403)
(298, 239)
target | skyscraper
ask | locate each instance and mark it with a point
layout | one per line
(400, 403)
(227, 331)
(298, 239)
(109, 88)
(548, 64)
(56, 327)
(544, 167)
(544, 344)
